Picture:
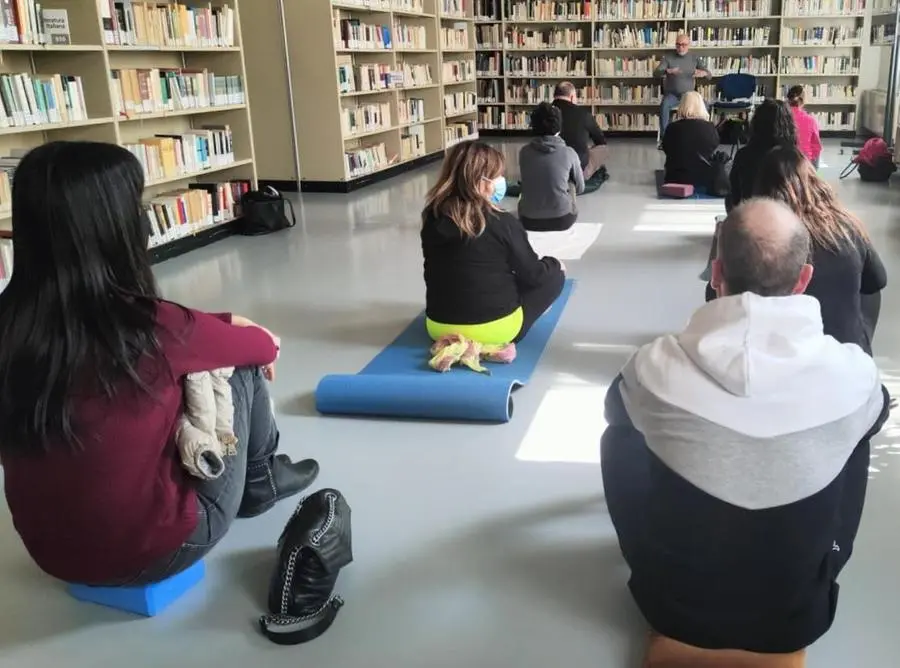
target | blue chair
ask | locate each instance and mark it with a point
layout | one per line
(736, 96)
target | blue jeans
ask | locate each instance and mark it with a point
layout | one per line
(666, 107)
(218, 500)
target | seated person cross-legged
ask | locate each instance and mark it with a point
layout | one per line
(551, 175)
(736, 459)
(483, 280)
(93, 367)
(689, 143)
(581, 132)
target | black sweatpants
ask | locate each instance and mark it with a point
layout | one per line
(536, 301)
(560, 224)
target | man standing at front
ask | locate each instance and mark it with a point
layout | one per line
(678, 71)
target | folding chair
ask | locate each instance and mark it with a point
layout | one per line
(736, 96)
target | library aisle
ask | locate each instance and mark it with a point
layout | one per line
(478, 546)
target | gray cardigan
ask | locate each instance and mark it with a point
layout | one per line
(547, 166)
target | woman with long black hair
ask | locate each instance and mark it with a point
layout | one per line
(91, 368)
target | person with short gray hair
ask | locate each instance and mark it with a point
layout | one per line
(679, 70)
(736, 458)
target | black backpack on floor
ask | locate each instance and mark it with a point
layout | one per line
(264, 212)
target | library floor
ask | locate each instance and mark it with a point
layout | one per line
(483, 546)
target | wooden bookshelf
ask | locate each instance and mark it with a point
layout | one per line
(608, 49)
(189, 83)
(358, 90)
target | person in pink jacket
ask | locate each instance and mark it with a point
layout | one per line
(808, 140)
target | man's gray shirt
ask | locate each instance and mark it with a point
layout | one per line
(682, 82)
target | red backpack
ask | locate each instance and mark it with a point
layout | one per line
(875, 162)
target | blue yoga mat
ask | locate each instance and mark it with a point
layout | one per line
(399, 383)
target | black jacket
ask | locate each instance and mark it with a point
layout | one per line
(840, 282)
(579, 129)
(689, 144)
(744, 168)
(472, 281)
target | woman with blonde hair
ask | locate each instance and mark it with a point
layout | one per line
(483, 280)
(848, 275)
(689, 143)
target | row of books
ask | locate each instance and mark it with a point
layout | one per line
(410, 36)
(351, 33)
(489, 91)
(623, 37)
(155, 90)
(134, 23)
(412, 142)
(180, 213)
(456, 37)
(524, 38)
(540, 10)
(461, 131)
(365, 160)
(729, 36)
(820, 65)
(826, 36)
(32, 99)
(835, 120)
(411, 110)
(365, 77)
(456, 71)
(165, 156)
(883, 34)
(369, 117)
(459, 102)
(825, 92)
(458, 8)
(29, 22)
(8, 166)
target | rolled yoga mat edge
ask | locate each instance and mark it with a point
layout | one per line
(399, 383)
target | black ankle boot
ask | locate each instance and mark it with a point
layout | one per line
(272, 480)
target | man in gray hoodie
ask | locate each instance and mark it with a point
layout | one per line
(678, 71)
(551, 175)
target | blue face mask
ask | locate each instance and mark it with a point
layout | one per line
(499, 190)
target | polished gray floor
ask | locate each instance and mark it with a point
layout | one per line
(475, 545)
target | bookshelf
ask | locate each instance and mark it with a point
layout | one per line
(609, 48)
(163, 79)
(358, 90)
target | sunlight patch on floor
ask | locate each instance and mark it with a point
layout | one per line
(567, 425)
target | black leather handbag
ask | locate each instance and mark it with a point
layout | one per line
(313, 548)
(264, 212)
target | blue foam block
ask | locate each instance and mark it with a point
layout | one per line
(399, 382)
(148, 600)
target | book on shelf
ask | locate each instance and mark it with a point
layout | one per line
(156, 90)
(455, 8)
(835, 120)
(353, 34)
(714, 9)
(825, 92)
(365, 4)
(489, 36)
(534, 92)
(40, 99)
(459, 102)
(411, 110)
(489, 91)
(415, 74)
(883, 35)
(456, 37)
(839, 65)
(556, 38)
(488, 64)
(631, 37)
(544, 10)
(412, 6)
(31, 22)
(804, 8)
(166, 156)
(489, 10)
(458, 71)
(6, 262)
(135, 23)
(460, 131)
(629, 122)
(180, 213)
(412, 142)
(821, 35)
(562, 65)
(758, 65)
(729, 36)
(410, 36)
(624, 67)
(365, 160)
(629, 94)
(635, 9)
(363, 118)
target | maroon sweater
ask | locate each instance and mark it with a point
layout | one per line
(111, 510)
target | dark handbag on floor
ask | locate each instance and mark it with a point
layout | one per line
(718, 182)
(264, 212)
(313, 548)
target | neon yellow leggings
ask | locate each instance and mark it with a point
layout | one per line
(496, 332)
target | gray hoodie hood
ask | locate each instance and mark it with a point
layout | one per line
(548, 144)
(547, 167)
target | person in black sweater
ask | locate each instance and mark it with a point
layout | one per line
(771, 125)
(581, 132)
(483, 279)
(689, 143)
(848, 275)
